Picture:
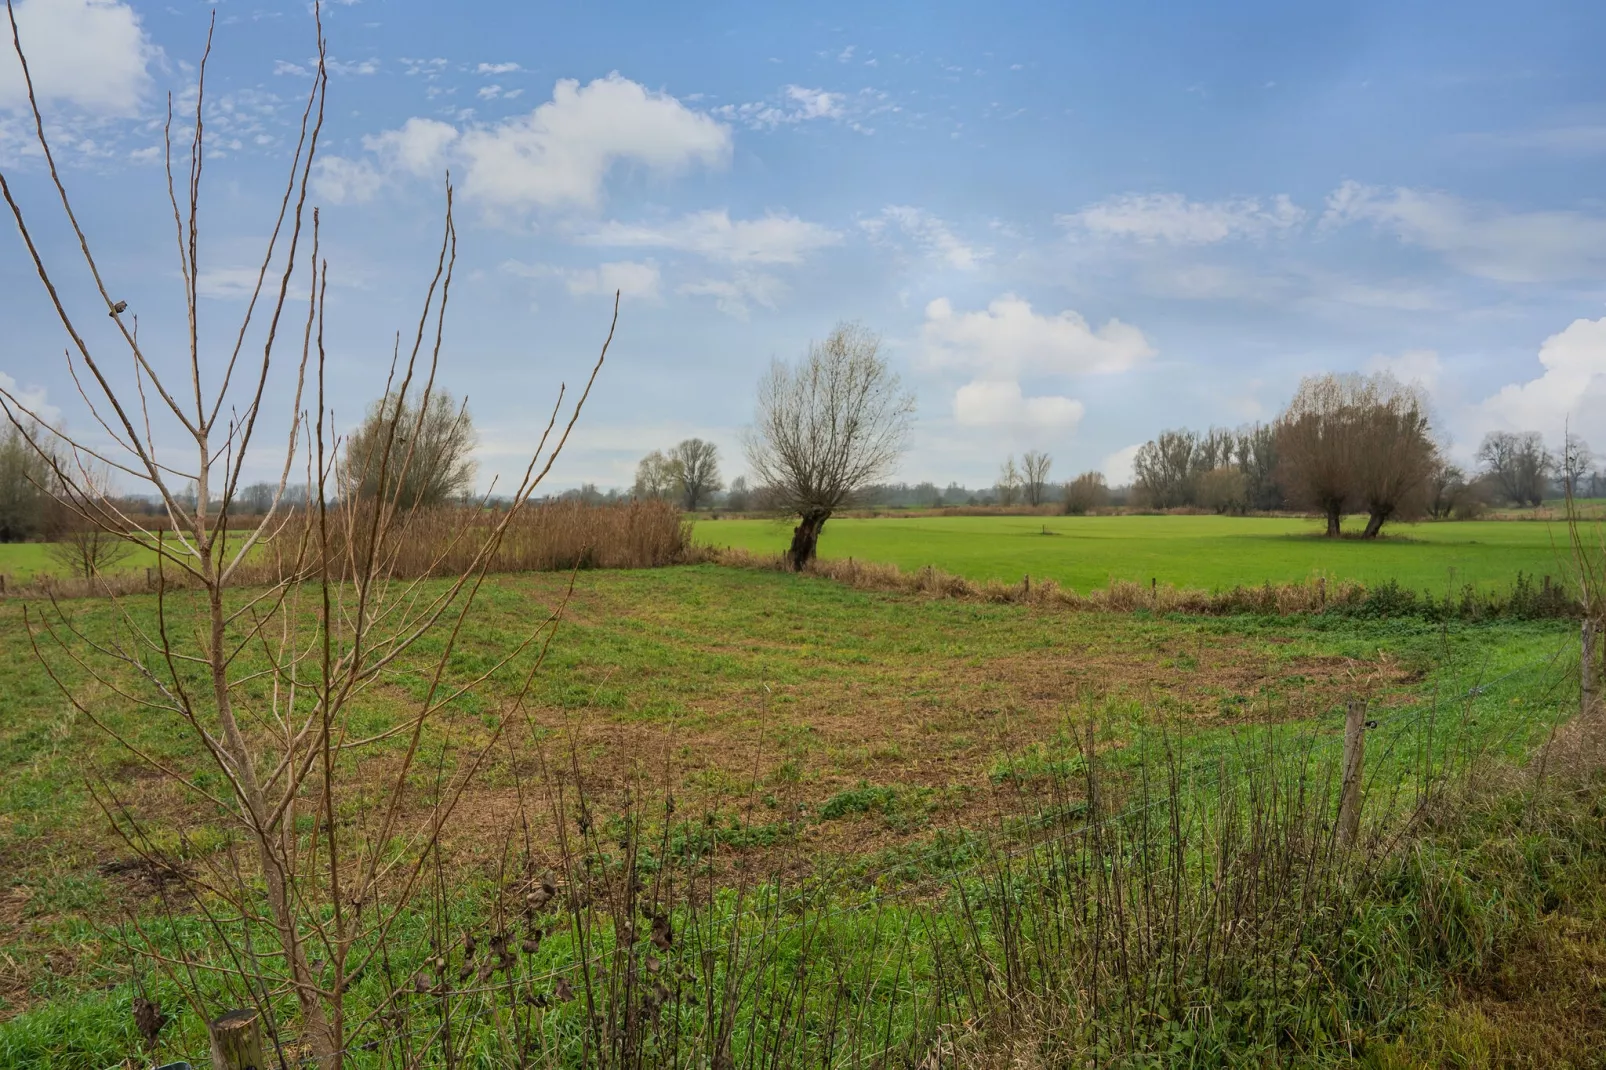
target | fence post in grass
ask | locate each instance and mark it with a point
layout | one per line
(1587, 682)
(1349, 797)
(237, 1041)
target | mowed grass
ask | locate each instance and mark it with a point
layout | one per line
(1211, 552)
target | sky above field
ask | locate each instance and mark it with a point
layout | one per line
(1074, 225)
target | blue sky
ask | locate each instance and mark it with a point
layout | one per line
(1074, 225)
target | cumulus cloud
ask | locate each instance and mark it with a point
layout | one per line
(1569, 394)
(931, 234)
(558, 155)
(775, 238)
(1000, 403)
(1480, 240)
(1173, 219)
(1007, 338)
(497, 68)
(90, 53)
(32, 398)
(338, 180)
(1117, 467)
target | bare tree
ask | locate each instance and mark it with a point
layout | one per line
(260, 666)
(1009, 482)
(697, 469)
(257, 498)
(1086, 493)
(1576, 464)
(1034, 476)
(1316, 444)
(1447, 490)
(825, 428)
(84, 548)
(1255, 453)
(656, 476)
(739, 497)
(437, 437)
(1163, 469)
(1519, 465)
(1394, 454)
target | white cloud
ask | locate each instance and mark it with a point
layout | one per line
(418, 146)
(1008, 337)
(361, 67)
(561, 152)
(1420, 366)
(1172, 218)
(497, 68)
(930, 233)
(1479, 239)
(797, 104)
(33, 398)
(557, 155)
(735, 296)
(1000, 403)
(775, 238)
(91, 53)
(1570, 394)
(1117, 467)
(630, 278)
(338, 180)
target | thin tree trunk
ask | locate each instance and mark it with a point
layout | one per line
(805, 537)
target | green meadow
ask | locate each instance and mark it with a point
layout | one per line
(1211, 552)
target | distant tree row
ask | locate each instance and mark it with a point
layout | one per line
(1227, 471)
(1353, 444)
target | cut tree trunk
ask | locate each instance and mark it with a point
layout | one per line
(805, 537)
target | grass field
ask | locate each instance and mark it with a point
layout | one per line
(801, 725)
(1185, 551)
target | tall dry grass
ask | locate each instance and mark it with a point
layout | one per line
(441, 541)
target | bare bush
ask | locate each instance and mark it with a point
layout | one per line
(825, 428)
(1086, 493)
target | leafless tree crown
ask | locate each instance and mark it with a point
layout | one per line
(829, 425)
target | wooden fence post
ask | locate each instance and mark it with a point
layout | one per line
(237, 1041)
(1586, 694)
(1349, 798)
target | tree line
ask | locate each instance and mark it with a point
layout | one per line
(1354, 444)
